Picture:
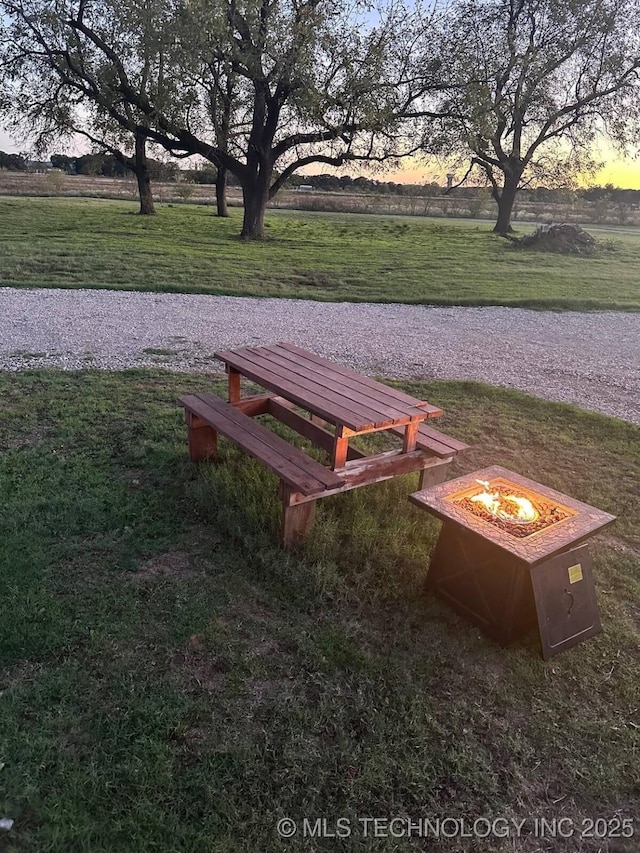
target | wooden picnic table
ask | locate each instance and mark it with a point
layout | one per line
(354, 404)
(337, 404)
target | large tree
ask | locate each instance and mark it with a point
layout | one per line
(46, 102)
(532, 84)
(305, 81)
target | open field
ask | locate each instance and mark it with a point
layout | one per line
(603, 212)
(89, 243)
(170, 680)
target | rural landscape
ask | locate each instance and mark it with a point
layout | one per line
(319, 426)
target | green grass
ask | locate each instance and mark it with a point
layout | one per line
(171, 681)
(336, 257)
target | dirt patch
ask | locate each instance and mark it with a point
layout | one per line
(619, 546)
(199, 671)
(261, 690)
(21, 674)
(174, 565)
(23, 442)
(135, 477)
(267, 648)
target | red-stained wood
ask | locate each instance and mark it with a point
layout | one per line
(323, 378)
(281, 409)
(324, 390)
(258, 404)
(234, 385)
(309, 393)
(409, 438)
(203, 439)
(292, 465)
(340, 451)
(426, 432)
(376, 469)
(331, 410)
(296, 520)
(435, 442)
(356, 379)
(251, 406)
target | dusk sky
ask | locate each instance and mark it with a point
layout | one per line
(620, 172)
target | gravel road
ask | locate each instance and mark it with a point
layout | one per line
(592, 360)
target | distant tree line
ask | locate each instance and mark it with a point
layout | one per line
(552, 195)
(12, 162)
(110, 166)
(516, 93)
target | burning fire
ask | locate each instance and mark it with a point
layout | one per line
(506, 506)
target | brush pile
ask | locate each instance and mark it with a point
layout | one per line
(563, 238)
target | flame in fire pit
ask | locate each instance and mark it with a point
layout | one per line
(505, 506)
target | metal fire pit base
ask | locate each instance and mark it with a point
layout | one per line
(506, 598)
(509, 586)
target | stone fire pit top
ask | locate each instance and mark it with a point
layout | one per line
(539, 546)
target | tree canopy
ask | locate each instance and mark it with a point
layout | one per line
(521, 89)
(257, 87)
(532, 83)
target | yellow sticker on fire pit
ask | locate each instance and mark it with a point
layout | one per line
(575, 573)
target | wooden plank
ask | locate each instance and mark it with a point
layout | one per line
(371, 398)
(360, 379)
(437, 442)
(255, 445)
(258, 404)
(296, 520)
(375, 393)
(279, 445)
(329, 410)
(234, 385)
(409, 438)
(292, 465)
(381, 468)
(385, 468)
(340, 451)
(203, 439)
(432, 476)
(281, 409)
(324, 392)
(427, 432)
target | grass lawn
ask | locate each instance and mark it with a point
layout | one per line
(56, 242)
(171, 681)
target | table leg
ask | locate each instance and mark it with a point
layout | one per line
(433, 476)
(234, 385)
(296, 521)
(340, 450)
(410, 437)
(203, 439)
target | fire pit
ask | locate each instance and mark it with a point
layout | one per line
(510, 556)
(512, 508)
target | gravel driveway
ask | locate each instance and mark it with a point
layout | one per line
(592, 360)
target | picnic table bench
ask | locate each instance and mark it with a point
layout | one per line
(338, 404)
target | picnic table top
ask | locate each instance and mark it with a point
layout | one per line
(337, 394)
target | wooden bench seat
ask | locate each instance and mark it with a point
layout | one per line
(302, 479)
(299, 471)
(437, 442)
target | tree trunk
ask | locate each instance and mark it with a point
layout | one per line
(221, 192)
(255, 197)
(505, 201)
(147, 207)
